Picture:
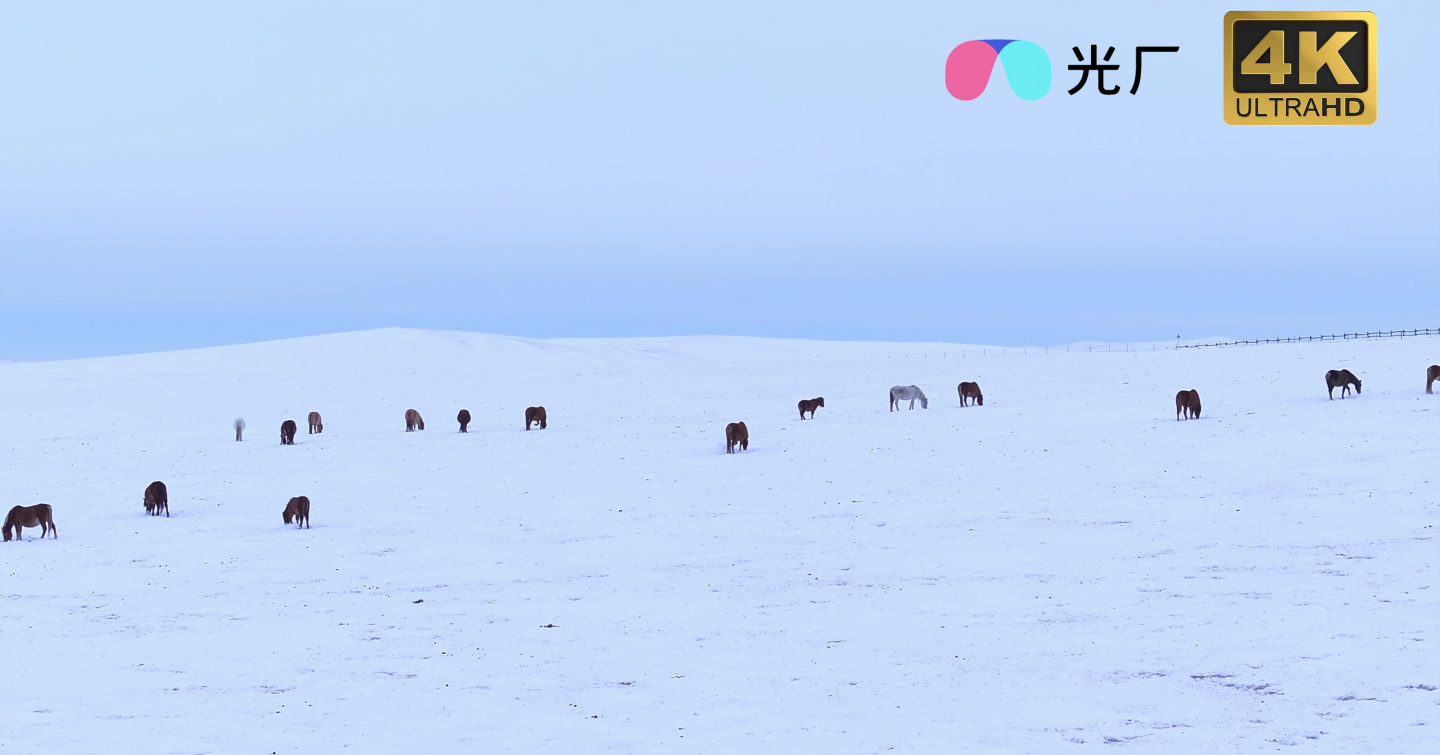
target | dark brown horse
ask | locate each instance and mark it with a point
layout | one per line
(1341, 379)
(287, 432)
(298, 510)
(38, 515)
(969, 390)
(1431, 375)
(1189, 403)
(315, 425)
(413, 421)
(464, 419)
(810, 405)
(737, 434)
(157, 498)
(533, 415)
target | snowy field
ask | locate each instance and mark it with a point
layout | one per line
(1064, 569)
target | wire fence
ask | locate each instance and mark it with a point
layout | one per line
(1120, 347)
(1336, 337)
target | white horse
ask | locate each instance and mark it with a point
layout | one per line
(239, 427)
(902, 392)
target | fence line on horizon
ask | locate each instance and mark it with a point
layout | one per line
(1307, 339)
(1116, 347)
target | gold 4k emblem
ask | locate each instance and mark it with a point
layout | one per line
(1298, 68)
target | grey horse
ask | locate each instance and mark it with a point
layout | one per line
(239, 427)
(911, 392)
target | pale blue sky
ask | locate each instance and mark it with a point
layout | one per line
(185, 174)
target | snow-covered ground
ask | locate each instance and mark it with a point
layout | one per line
(1063, 569)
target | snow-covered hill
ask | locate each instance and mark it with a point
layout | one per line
(1063, 568)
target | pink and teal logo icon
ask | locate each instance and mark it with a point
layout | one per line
(1027, 68)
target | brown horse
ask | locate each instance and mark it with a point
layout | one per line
(535, 414)
(157, 498)
(315, 425)
(287, 432)
(298, 510)
(810, 405)
(413, 421)
(737, 434)
(1189, 402)
(38, 515)
(1341, 379)
(969, 390)
(1431, 375)
(464, 419)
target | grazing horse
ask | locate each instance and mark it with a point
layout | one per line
(298, 509)
(287, 432)
(464, 419)
(38, 515)
(315, 425)
(413, 421)
(737, 434)
(810, 405)
(239, 427)
(1341, 379)
(969, 390)
(1189, 402)
(157, 498)
(1431, 375)
(903, 392)
(535, 414)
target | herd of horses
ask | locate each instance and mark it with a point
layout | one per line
(737, 436)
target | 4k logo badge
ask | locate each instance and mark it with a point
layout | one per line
(1298, 68)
